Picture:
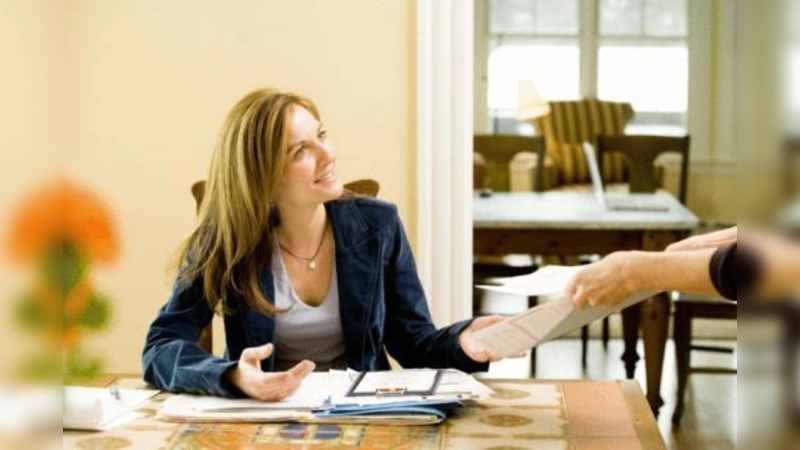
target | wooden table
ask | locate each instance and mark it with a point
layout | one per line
(573, 223)
(574, 414)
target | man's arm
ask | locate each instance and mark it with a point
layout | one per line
(621, 274)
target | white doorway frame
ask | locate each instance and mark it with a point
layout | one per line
(444, 155)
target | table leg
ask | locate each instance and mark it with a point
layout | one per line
(631, 319)
(655, 323)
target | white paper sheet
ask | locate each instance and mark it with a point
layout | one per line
(545, 281)
(88, 408)
(313, 393)
(547, 321)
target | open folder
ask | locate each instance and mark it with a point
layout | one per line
(402, 397)
(547, 321)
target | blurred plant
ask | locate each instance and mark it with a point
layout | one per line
(61, 232)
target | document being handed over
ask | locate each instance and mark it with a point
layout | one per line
(547, 321)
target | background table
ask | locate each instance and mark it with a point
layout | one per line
(573, 223)
(522, 414)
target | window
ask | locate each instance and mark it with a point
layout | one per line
(622, 50)
(791, 67)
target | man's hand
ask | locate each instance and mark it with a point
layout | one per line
(270, 387)
(606, 282)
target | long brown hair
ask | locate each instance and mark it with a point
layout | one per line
(233, 238)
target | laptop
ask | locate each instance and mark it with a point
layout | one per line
(620, 202)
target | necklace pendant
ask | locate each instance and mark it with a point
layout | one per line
(312, 265)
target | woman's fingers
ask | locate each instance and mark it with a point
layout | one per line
(486, 321)
(288, 382)
(301, 369)
(254, 355)
(268, 386)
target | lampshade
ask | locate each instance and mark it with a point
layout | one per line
(530, 104)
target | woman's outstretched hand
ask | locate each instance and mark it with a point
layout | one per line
(475, 350)
(267, 386)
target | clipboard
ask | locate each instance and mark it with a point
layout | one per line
(395, 383)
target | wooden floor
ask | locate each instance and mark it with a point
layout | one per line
(709, 420)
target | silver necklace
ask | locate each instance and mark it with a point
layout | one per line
(312, 262)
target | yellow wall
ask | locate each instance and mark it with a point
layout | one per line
(29, 99)
(149, 83)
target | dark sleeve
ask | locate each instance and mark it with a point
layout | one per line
(411, 336)
(172, 360)
(732, 271)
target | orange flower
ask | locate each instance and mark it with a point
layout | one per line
(77, 299)
(63, 212)
(69, 338)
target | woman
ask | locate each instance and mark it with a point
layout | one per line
(307, 275)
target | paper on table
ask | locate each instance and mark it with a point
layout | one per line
(547, 321)
(88, 408)
(181, 408)
(454, 386)
(457, 383)
(313, 393)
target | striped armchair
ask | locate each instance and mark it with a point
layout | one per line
(572, 122)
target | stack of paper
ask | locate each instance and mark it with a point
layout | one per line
(324, 397)
(87, 408)
(547, 321)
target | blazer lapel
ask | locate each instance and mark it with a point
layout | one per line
(358, 264)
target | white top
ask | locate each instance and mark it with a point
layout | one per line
(306, 332)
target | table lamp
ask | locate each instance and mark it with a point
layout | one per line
(530, 104)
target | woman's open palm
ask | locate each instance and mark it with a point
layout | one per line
(267, 386)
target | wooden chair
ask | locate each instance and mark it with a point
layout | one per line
(686, 310)
(640, 153)
(492, 171)
(365, 187)
(494, 154)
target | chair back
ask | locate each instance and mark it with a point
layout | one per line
(493, 153)
(640, 153)
(572, 122)
(366, 187)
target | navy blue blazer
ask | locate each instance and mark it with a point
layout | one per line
(381, 304)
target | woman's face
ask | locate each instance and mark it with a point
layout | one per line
(309, 177)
